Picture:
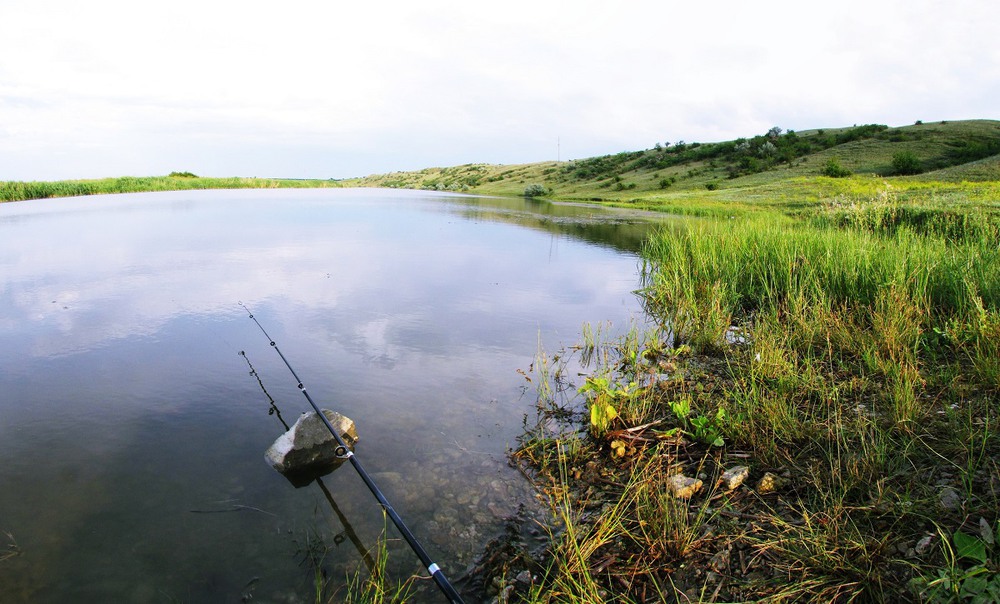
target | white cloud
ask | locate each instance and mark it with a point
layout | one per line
(328, 89)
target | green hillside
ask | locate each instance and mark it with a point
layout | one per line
(837, 344)
(769, 168)
(941, 151)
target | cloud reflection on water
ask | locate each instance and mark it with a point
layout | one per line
(408, 312)
(73, 281)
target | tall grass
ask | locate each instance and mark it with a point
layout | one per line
(856, 348)
(22, 191)
(865, 326)
(703, 273)
(570, 576)
(890, 209)
(371, 583)
(376, 587)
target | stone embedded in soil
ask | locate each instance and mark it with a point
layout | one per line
(682, 487)
(950, 499)
(769, 483)
(734, 477)
(308, 445)
(720, 561)
(923, 545)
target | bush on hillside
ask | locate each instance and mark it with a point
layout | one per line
(833, 169)
(905, 163)
(973, 149)
(535, 190)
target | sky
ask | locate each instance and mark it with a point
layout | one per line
(328, 89)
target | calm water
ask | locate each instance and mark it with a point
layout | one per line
(132, 435)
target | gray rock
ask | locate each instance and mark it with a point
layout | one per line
(950, 499)
(308, 445)
(924, 545)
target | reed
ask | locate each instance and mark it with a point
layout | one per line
(376, 587)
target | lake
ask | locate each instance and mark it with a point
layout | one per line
(132, 433)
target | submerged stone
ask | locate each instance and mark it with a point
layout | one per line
(308, 449)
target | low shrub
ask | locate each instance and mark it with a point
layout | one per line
(906, 163)
(833, 169)
(535, 190)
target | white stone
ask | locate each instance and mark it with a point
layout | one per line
(683, 487)
(308, 445)
(734, 477)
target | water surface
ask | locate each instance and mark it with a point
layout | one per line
(132, 435)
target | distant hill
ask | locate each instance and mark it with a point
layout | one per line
(790, 167)
(943, 151)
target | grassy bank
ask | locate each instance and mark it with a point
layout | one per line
(21, 191)
(847, 356)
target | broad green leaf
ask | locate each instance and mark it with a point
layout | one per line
(969, 547)
(974, 585)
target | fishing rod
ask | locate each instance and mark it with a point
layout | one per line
(348, 529)
(343, 451)
(274, 406)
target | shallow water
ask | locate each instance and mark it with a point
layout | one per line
(132, 435)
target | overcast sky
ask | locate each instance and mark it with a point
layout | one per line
(327, 89)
